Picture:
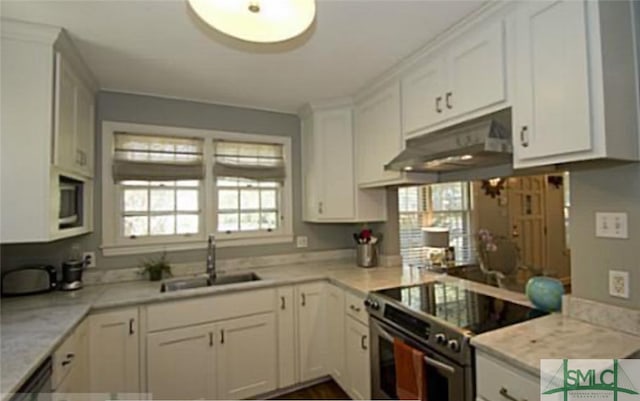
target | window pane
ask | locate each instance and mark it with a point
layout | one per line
(268, 221)
(249, 199)
(135, 200)
(136, 183)
(188, 200)
(162, 200)
(268, 199)
(228, 222)
(135, 225)
(187, 224)
(249, 221)
(228, 199)
(163, 225)
(448, 197)
(408, 199)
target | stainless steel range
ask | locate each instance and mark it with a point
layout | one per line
(437, 319)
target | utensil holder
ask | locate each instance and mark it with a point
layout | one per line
(367, 255)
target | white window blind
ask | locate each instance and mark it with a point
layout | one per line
(439, 205)
(252, 161)
(157, 158)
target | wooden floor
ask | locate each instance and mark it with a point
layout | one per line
(328, 390)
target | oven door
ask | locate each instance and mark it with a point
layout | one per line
(446, 380)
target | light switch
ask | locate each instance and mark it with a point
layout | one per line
(611, 225)
(619, 283)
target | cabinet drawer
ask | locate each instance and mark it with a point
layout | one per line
(354, 307)
(492, 376)
(208, 309)
(66, 355)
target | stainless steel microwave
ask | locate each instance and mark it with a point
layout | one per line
(71, 202)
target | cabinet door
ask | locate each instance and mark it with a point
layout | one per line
(84, 131)
(334, 155)
(551, 108)
(358, 360)
(247, 358)
(378, 135)
(335, 325)
(423, 97)
(286, 338)
(113, 352)
(477, 68)
(65, 115)
(311, 331)
(181, 363)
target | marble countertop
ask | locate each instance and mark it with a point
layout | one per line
(554, 337)
(32, 327)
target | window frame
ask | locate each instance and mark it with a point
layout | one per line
(114, 243)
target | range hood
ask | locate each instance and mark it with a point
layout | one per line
(481, 142)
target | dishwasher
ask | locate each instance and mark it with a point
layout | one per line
(38, 385)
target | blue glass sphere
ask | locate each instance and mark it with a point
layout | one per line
(545, 293)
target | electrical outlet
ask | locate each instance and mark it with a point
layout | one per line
(302, 241)
(619, 283)
(611, 225)
(92, 258)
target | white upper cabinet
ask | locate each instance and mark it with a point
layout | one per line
(74, 121)
(422, 96)
(464, 76)
(378, 136)
(330, 190)
(574, 60)
(47, 124)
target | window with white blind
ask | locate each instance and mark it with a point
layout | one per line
(439, 205)
(248, 179)
(167, 188)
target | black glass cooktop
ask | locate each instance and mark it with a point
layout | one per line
(477, 313)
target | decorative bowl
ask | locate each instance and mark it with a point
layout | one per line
(545, 293)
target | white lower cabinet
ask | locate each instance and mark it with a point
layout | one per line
(70, 376)
(497, 381)
(181, 363)
(358, 360)
(311, 331)
(286, 316)
(113, 352)
(247, 357)
(336, 333)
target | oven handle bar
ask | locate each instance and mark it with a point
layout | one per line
(439, 365)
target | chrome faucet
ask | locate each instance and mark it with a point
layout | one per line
(211, 258)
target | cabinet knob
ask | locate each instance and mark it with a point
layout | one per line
(448, 100)
(304, 299)
(363, 342)
(131, 330)
(282, 303)
(524, 136)
(438, 108)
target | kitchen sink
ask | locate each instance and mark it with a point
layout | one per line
(204, 281)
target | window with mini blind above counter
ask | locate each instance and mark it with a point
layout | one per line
(167, 188)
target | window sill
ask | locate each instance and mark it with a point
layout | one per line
(135, 249)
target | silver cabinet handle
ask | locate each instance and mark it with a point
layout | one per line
(304, 299)
(131, 330)
(438, 100)
(363, 342)
(354, 308)
(211, 339)
(448, 100)
(524, 140)
(282, 303)
(505, 393)
(222, 336)
(320, 208)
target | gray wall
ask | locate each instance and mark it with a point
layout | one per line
(159, 111)
(615, 189)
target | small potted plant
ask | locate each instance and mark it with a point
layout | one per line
(157, 267)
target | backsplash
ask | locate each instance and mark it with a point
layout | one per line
(601, 314)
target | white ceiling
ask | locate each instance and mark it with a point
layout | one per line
(161, 48)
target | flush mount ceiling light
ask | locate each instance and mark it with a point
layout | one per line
(263, 21)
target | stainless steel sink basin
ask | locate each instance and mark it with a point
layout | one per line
(204, 281)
